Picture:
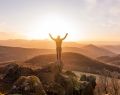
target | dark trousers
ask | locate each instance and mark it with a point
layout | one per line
(59, 51)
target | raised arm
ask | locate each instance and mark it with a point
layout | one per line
(65, 36)
(51, 37)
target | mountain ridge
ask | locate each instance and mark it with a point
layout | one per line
(73, 61)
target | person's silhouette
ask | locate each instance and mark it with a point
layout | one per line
(58, 41)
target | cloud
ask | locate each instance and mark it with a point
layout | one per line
(89, 5)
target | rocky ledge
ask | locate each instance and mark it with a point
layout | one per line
(50, 80)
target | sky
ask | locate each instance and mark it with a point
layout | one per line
(87, 20)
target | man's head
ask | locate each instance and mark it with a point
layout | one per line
(58, 37)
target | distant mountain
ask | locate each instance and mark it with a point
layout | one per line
(114, 48)
(40, 44)
(114, 60)
(73, 61)
(20, 54)
(103, 58)
(91, 51)
(95, 51)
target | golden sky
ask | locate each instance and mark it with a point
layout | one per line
(86, 20)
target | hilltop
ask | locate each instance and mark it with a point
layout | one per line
(73, 61)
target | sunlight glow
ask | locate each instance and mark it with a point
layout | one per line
(54, 25)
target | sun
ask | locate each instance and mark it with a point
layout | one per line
(51, 24)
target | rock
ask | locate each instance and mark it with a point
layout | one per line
(54, 89)
(70, 74)
(48, 73)
(12, 73)
(25, 71)
(91, 79)
(85, 88)
(83, 78)
(66, 82)
(87, 85)
(75, 81)
(29, 85)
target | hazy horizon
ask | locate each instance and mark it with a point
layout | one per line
(21, 41)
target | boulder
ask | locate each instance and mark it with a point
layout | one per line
(91, 79)
(85, 88)
(87, 85)
(25, 71)
(75, 81)
(48, 73)
(83, 78)
(66, 82)
(29, 85)
(54, 89)
(71, 74)
(11, 73)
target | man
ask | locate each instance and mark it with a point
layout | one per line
(58, 41)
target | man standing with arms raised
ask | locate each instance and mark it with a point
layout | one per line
(58, 41)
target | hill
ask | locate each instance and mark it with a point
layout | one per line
(20, 54)
(114, 60)
(90, 50)
(73, 61)
(114, 48)
(95, 51)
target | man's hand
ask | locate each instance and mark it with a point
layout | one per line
(51, 36)
(65, 36)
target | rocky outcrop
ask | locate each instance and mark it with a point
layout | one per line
(25, 71)
(86, 88)
(72, 86)
(11, 73)
(66, 83)
(54, 88)
(49, 80)
(48, 73)
(87, 85)
(29, 85)
(90, 79)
